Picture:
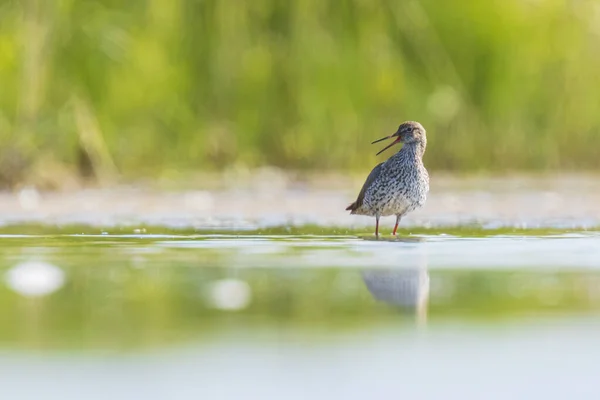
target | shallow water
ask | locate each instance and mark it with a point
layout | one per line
(503, 307)
(221, 316)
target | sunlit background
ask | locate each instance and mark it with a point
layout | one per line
(144, 88)
(174, 174)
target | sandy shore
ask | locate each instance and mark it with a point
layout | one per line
(273, 198)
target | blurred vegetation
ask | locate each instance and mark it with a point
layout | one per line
(141, 88)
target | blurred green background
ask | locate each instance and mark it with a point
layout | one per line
(104, 88)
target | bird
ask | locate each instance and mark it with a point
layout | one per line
(400, 184)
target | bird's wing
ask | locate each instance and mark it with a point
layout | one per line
(370, 179)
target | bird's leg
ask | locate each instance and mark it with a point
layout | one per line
(377, 226)
(396, 226)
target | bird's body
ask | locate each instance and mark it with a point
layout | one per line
(400, 184)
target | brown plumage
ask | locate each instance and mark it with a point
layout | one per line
(400, 184)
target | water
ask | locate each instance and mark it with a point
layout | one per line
(123, 303)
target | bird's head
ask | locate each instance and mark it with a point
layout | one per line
(408, 132)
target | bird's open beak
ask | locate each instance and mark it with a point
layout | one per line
(396, 135)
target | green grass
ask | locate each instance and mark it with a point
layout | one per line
(472, 230)
(146, 88)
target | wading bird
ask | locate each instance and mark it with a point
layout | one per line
(400, 184)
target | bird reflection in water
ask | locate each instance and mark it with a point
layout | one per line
(405, 287)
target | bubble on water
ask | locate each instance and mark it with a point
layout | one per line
(229, 294)
(35, 278)
(29, 198)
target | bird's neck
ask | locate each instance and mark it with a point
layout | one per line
(413, 149)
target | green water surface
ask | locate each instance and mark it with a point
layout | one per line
(150, 287)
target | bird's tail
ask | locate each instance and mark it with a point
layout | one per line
(351, 207)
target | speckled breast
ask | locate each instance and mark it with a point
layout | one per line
(399, 190)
